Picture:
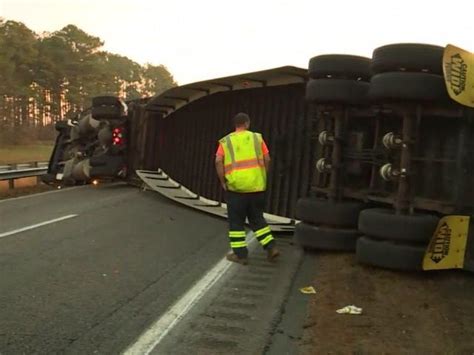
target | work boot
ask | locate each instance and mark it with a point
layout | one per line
(234, 258)
(272, 254)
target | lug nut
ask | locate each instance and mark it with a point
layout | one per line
(391, 141)
(323, 166)
(325, 138)
(388, 173)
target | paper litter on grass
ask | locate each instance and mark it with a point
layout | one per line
(350, 310)
(310, 290)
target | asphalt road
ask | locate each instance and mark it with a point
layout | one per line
(92, 283)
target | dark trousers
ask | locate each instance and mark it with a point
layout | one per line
(241, 206)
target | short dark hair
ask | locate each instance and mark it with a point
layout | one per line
(240, 119)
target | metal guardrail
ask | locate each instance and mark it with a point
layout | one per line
(23, 173)
(21, 166)
(12, 172)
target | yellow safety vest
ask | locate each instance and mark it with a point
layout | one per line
(243, 162)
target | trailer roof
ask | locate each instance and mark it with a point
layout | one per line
(177, 97)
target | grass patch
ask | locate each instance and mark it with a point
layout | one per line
(40, 151)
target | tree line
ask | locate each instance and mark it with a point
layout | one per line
(47, 77)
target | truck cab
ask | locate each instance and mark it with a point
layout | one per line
(92, 145)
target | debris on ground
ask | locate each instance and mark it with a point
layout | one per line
(309, 290)
(410, 312)
(350, 310)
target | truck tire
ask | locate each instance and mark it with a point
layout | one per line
(390, 255)
(385, 224)
(337, 91)
(106, 112)
(106, 101)
(398, 86)
(325, 238)
(339, 66)
(323, 212)
(414, 57)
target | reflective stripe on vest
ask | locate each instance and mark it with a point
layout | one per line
(244, 167)
(244, 164)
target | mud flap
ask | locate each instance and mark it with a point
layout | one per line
(447, 247)
(458, 70)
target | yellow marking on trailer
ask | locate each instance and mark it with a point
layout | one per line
(448, 244)
(458, 70)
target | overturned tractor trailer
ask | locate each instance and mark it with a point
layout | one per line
(90, 145)
(372, 155)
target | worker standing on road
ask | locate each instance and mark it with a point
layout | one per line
(242, 163)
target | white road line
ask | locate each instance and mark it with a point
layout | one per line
(16, 231)
(13, 199)
(155, 334)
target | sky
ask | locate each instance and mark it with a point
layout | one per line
(206, 39)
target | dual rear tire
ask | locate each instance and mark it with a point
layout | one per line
(392, 241)
(327, 225)
(378, 236)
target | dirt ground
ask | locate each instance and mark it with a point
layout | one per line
(26, 186)
(416, 313)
